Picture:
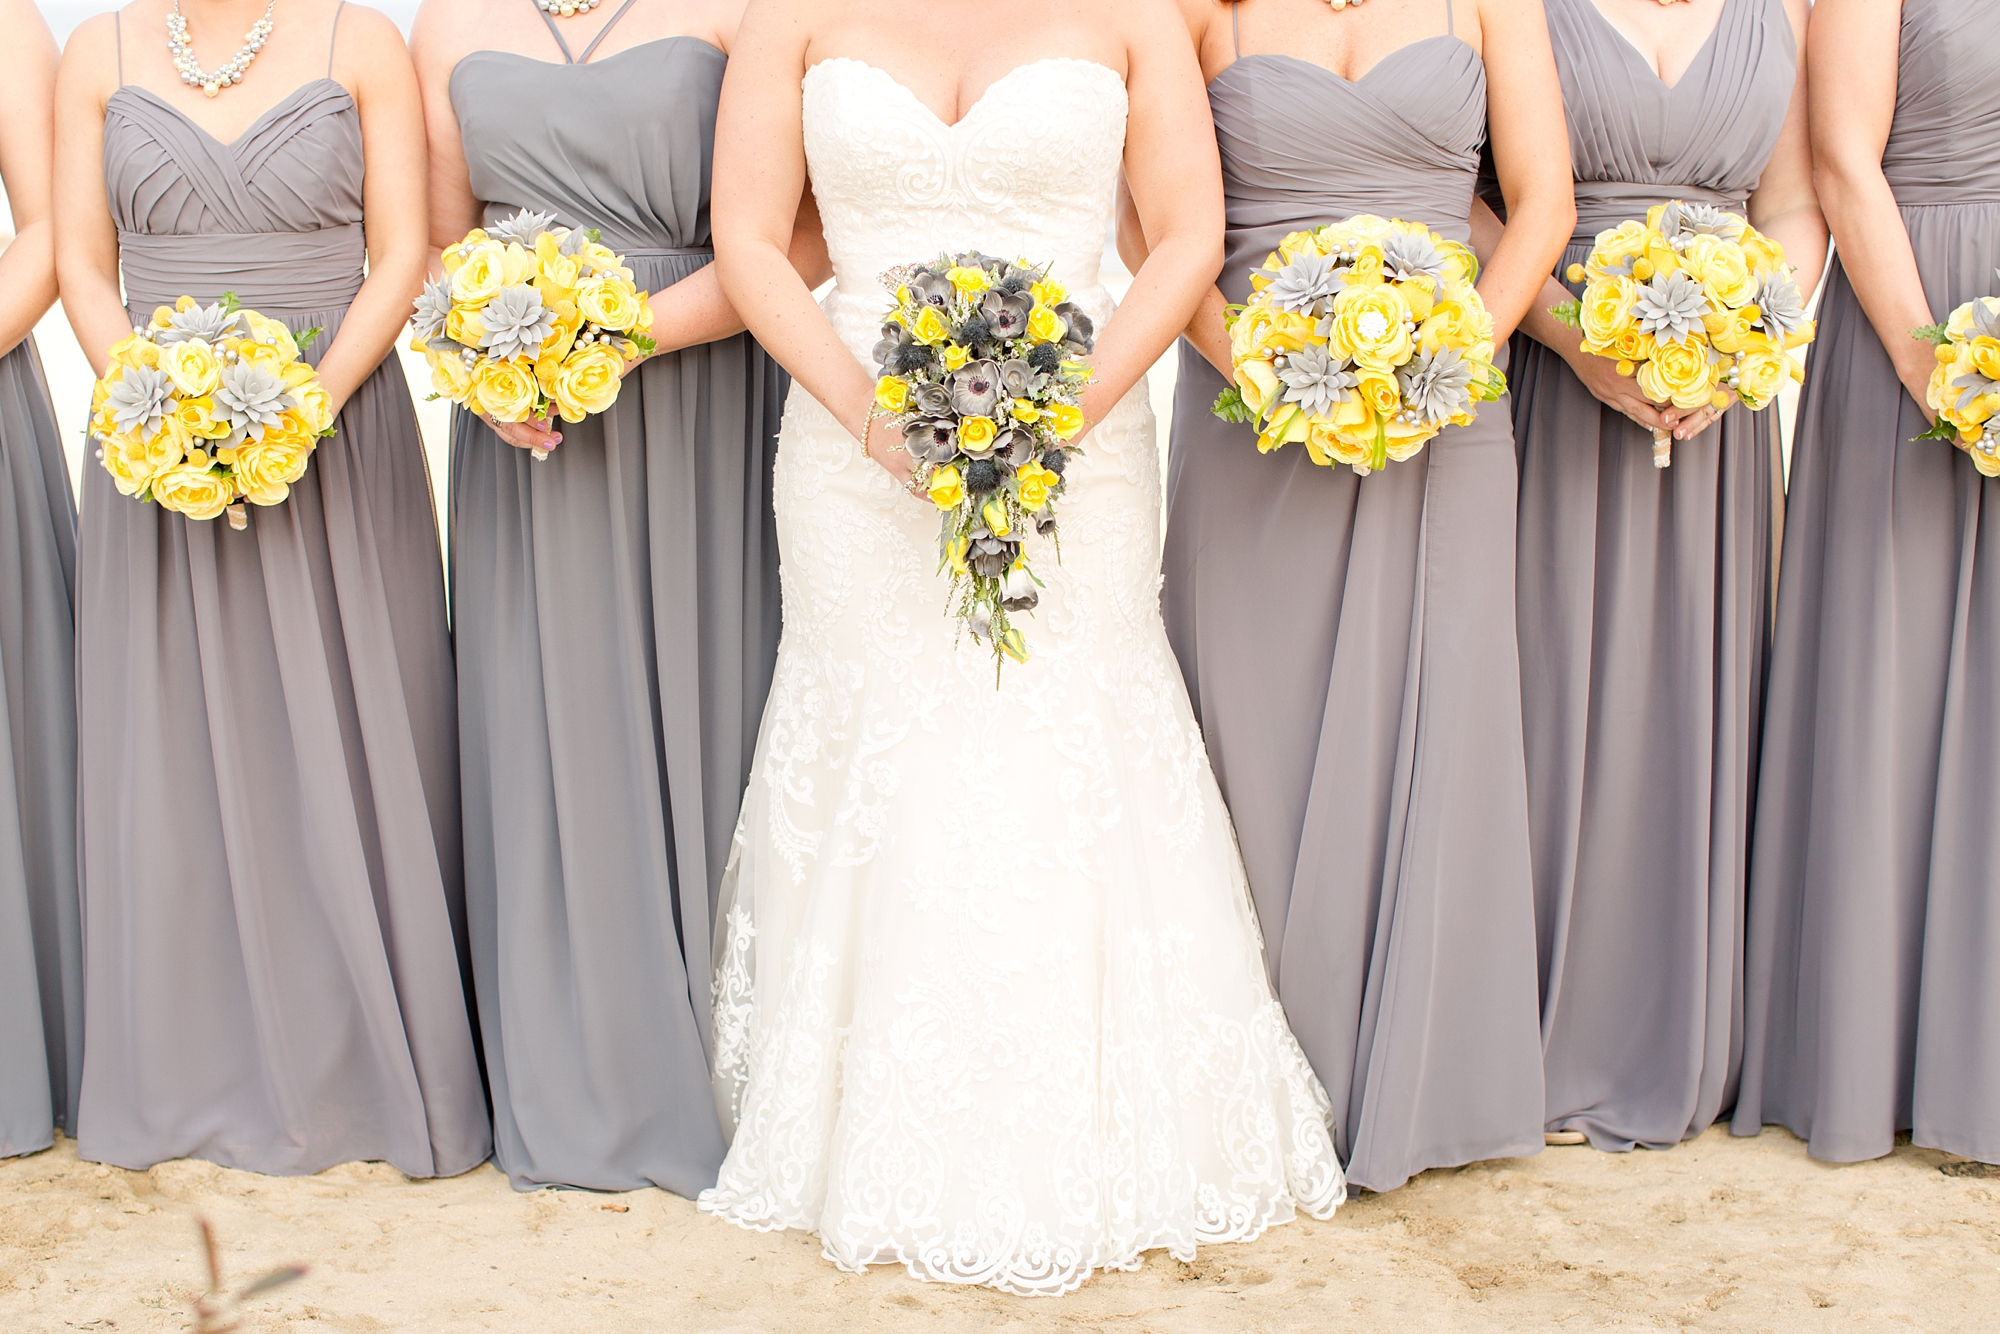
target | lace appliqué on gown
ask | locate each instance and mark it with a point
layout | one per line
(1019, 1048)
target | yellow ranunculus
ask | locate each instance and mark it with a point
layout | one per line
(315, 405)
(454, 254)
(931, 327)
(947, 488)
(976, 434)
(1368, 328)
(1379, 391)
(1633, 345)
(1045, 326)
(1722, 269)
(1289, 425)
(560, 273)
(450, 377)
(1607, 310)
(128, 469)
(1035, 484)
(504, 390)
(192, 489)
(463, 325)
(1626, 241)
(134, 350)
(1258, 383)
(892, 393)
(1678, 373)
(969, 279)
(480, 275)
(588, 382)
(998, 521)
(266, 470)
(1761, 373)
(197, 417)
(1984, 354)
(1066, 420)
(1732, 330)
(276, 333)
(955, 356)
(600, 258)
(265, 356)
(608, 301)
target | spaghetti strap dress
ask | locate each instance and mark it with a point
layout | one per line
(41, 939)
(1348, 643)
(1644, 612)
(1872, 995)
(273, 907)
(616, 617)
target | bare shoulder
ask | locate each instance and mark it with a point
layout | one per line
(90, 57)
(444, 31)
(26, 28)
(369, 29)
(1151, 27)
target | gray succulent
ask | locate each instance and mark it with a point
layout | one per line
(975, 389)
(1407, 255)
(515, 323)
(1020, 380)
(1781, 309)
(930, 398)
(140, 399)
(1682, 222)
(1970, 386)
(524, 228)
(1670, 306)
(250, 398)
(1314, 379)
(211, 324)
(1436, 385)
(1305, 282)
(433, 304)
(1007, 312)
(1985, 320)
(894, 338)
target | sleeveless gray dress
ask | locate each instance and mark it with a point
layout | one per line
(1644, 613)
(1873, 993)
(1348, 644)
(616, 615)
(270, 834)
(41, 950)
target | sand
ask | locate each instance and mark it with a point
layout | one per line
(1720, 1233)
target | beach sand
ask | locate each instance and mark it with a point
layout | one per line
(1720, 1233)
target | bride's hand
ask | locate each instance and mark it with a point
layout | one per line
(886, 447)
(535, 433)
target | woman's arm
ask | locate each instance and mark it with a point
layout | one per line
(86, 238)
(27, 147)
(1853, 45)
(1524, 100)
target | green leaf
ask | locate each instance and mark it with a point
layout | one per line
(647, 347)
(1570, 313)
(1229, 406)
(596, 237)
(1937, 335)
(1940, 430)
(230, 305)
(305, 338)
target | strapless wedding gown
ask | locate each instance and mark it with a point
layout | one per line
(990, 997)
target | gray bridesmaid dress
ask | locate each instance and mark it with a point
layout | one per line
(1348, 644)
(1644, 612)
(273, 910)
(1872, 984)
(41, 950)
(616, 615)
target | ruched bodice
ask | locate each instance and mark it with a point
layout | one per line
(1302, 146)
(644, 184)
(1634, 140)
(274, 216)
(1942, 149)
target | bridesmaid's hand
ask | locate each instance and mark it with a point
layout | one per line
(536, 433)
(1914, 363)
(1621, 392)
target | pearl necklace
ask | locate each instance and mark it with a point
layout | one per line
(1339, 5)
(565, 8)
(223, 75)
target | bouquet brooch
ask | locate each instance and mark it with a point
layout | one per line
(1361, 340)
(1964, 390)
(1695, 302)
(977, 367)
(207, 407)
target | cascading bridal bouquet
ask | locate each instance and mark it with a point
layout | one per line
(977, 368)
(1361, 340)
(1964, 390)
(206, 407)
(1695, 302)
(530, 319)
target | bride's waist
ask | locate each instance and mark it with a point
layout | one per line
(857, 316)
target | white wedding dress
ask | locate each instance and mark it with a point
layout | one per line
(990, 998)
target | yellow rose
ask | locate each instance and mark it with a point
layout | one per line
(1066, 420)
(1634, 345)
(560, 273)
(1732, 330)
(599, 258)
(954, 552)
(315, 404)
(264, 356)
(1678, 373)
(1456, 323)
(480, 276)
(956, 356)
(1289, 425)
(1761, 373)
(608, 302)
(1379, 391)
(266, 470)
(1012, 644)
(450, 377)
(1048, 292)
(969, 280)
(276, 333)
(588, 382)
(947, 488)
(463, 325)
(135, 350)
(454, 254)
(194, 490)
(1045, 326)
(198, 419)
(1615, 248)
(1607, 310)
(931, 327)
(1368, 327)
(1024, 411)
(1258, 383)
(976, 434)
(128, 471)
(504, 390)
(1035, 484)
(1722, 269)
(998, 521)
(892, 394)
(1985, 356)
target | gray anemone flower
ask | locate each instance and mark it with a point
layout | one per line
(1081, 331)
(931, 288)
(433, 304)
(1781, 309)
(1670, 306)
(1015, 447)
(1436, 385)
(250, 398)
(930, 398)
(1314, 379)
(1304, 283)
(515, 323)
(931, 440)
(1007, 312)
(894, 338)
(1407, 255)
(140, 398)
(523, 228)
(211, 324)
(1681, 223)
(975, 389)
(1020, 380)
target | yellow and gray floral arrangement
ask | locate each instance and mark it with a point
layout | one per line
(1361, 340)
(978, 367)
(207, 407)
(1964, 390)
(1697, 303)
(530, 320)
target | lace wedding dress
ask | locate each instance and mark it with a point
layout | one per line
(990, 997)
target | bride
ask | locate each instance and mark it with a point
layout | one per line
(990, 997)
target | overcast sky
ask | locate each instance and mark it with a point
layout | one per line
(66, 14)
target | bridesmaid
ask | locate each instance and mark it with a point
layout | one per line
(1349, 642)
(615, 605)
(1873, 1003)
(1644, 593)
(269, 779)
(41, 962)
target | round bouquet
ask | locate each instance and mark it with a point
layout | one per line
(1695, 302)
(1965, 388)
(977, 367)
(531, 319)
(207, 407)
(1361, 340)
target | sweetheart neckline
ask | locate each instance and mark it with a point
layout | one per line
(588, 64)
(977, 102)
(248, 130)
(1367, 74)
